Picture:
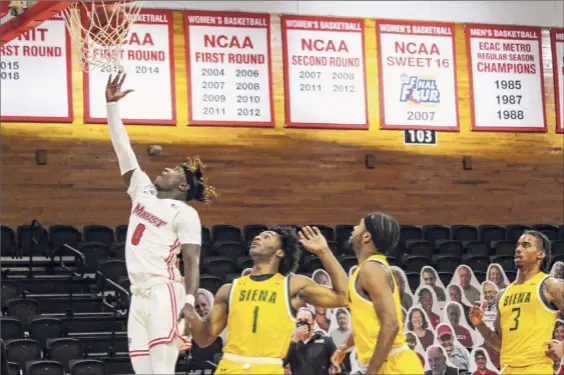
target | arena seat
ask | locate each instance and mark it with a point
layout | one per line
(464, 233)
(121, 233)
(23, 350)
(113, 269)
(244, 262)
(561, 232)
(87, 367)
(557, 247)
(410, 232)
(413, 279)
(22, 309)
(393, 261)
(9, 290)
(414, 263)
(64, 349)
(478, 263)
(219, 266)
(503, 247)
(210, 282)
(312, 263)
(231, 250)
(118, 250)
(454, 248)
(445, 277)
(27, 246)
(490, 233)
(225, 233)
(348, 262)
(326, 231)
(480, 276)
(435, 232)
(42, 328)
(8, 245)
(477, 248)
(514, 231)
(13, 368)
(506, 261)
(342, 235)
(446, 262)
(11, 328)
(94, 253)
(44, 368)
(64, 235)
(420, 247)
(99, 233)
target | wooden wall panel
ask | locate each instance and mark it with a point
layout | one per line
(291, 175)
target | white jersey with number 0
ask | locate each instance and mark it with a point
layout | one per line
(157, 229)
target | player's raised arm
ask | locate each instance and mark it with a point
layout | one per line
(120, 140)
(492, 338)
(553, 290)
(319, 295)
(205, 331)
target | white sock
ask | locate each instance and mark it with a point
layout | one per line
(163, 358)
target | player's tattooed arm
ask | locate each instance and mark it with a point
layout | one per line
(205, 331)
(554, 292)
(318, 295)
(492, 338)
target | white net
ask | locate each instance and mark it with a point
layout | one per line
(98, 30)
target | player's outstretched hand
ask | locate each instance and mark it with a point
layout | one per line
(312, 240)
(476, 314)
(187, 313)
(555, 350)
(113, 88)
(338, 357)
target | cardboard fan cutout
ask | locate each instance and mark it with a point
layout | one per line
(497, 275)
(453, 314)
(415, 345)
(456, 352)
(557, 270)
(340, 328)
(480, 363)
(430, 277)
(489, 293)
(419, 323)
(427, 299)
(465, 278)
(406, 296)
(437, 362)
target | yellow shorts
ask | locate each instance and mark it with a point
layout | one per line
(227, 367)
(405, 362)
(540, 369)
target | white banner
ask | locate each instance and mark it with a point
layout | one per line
(507, 90)
(147, 59)
(229, 69)
(417, 71)
(557, 38)
(35, 71)
(325, 72)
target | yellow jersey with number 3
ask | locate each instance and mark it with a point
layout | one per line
(365, 322)
(260, 320)
(527, 321)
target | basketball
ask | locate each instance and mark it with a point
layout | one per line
(107, 24)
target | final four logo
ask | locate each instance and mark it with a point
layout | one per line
(419, 90)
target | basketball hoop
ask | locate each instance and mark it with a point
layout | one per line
(98, 29)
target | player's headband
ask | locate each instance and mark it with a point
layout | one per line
(199, 188)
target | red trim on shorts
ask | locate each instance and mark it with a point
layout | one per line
(174, 331)
(168, 260)
(138, 353)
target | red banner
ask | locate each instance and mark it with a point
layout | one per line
(557, 40)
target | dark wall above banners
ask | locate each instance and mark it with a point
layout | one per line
(557, 39)
(506, 78)
(35, 71)
(229, 69)
(325, 72)
(148, 61)
(417, 71)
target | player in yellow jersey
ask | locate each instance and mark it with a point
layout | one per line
(259, 309)
(527, 310)
(374, 301)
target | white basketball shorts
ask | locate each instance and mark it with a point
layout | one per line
(153, 318)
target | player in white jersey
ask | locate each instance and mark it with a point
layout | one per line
(160, 226)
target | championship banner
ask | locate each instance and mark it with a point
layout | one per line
(417, 70)
(506, 78)
(147, 59)
(229, 69)
(35, 72)
(557, 40)
(325, 72)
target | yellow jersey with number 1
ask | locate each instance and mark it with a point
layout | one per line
(527, 321)
(365, 322)
(260, 320)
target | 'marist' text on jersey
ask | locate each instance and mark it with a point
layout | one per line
(139, 211)
(256, 295)
(517, 298)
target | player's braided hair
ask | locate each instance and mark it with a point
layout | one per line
(200, 190)
(290, 243)
(545, 245)
(384, 229)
